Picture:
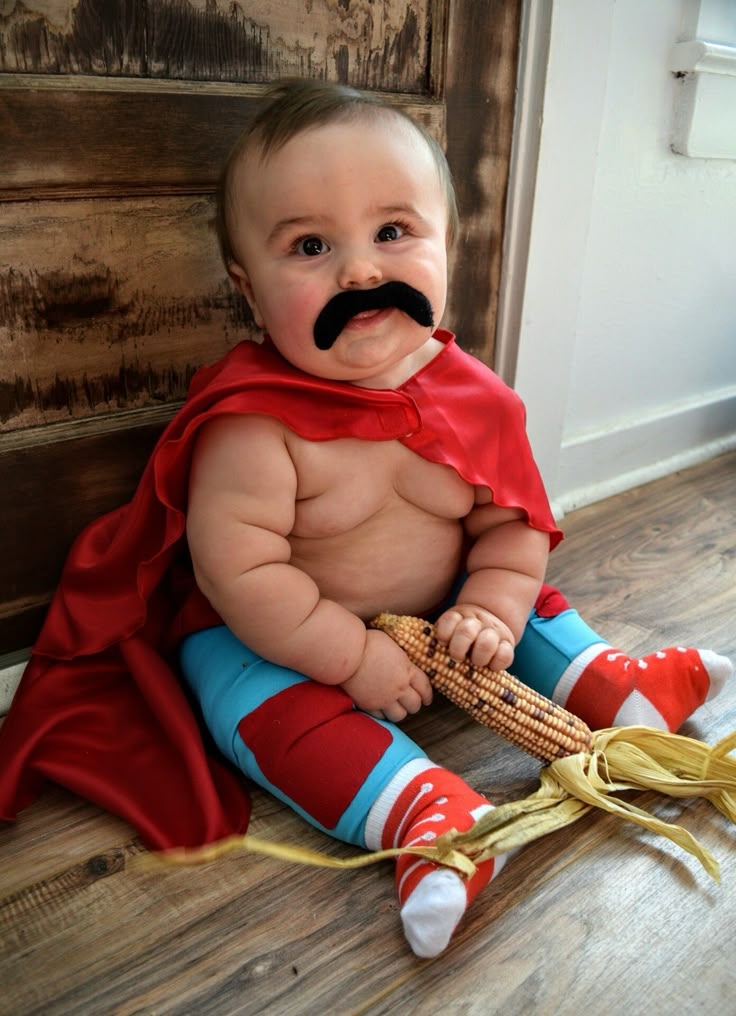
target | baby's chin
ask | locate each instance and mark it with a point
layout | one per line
(384, 367)
(363, 357)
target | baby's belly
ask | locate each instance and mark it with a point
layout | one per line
(407, 567)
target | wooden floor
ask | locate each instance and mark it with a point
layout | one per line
(596, 918)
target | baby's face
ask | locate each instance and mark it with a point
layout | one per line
(344, 206)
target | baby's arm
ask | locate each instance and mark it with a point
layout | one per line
(506, 567)
(242, 505)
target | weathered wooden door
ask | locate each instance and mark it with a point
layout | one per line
(115, 116)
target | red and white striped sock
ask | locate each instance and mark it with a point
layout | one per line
(420, 803)
(607, 688)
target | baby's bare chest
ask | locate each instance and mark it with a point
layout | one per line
(343, 483)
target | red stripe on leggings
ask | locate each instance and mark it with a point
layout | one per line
(315, 747)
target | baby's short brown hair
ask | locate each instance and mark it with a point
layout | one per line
(296, 105)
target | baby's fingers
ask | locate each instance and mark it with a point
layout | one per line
(492, 650)
(421, 685)
(446, 624)
(484, 640)
(462, 637)
(394, 713)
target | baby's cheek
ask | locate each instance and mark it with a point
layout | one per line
(301, 305)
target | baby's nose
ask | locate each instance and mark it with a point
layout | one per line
(358, 270)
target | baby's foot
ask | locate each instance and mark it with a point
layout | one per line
(421, 803)
(606, 688)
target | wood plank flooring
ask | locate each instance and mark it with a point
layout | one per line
(598, 917)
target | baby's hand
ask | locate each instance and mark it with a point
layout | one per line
(473, 632)
(387, 684)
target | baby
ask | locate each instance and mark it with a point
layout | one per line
(396, 477)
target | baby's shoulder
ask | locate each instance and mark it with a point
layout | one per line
(230, 441)
(240, 426)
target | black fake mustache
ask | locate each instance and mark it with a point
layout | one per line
(343, 306)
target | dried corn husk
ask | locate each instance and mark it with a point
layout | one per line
(581, 775)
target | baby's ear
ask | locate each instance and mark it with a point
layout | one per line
(241, 282)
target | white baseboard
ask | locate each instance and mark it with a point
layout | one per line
(597, 465)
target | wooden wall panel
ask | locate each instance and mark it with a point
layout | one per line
(57, 143)
(48, 493)
(115, 117)
(108, 305)
(69, 37)
(369, 43)
(480, 88)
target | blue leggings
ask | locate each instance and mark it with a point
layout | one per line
(307, 744)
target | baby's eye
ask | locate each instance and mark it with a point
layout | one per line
(391, 231)
(310, 246)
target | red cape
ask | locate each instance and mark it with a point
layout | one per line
(100, 709)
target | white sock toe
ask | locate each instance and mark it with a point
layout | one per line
(431, 913)
(719, 670)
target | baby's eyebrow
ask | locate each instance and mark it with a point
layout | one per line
(402, 208)
(293, 222)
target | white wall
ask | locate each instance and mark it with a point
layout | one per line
(627, 335)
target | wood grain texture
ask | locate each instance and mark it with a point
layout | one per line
(481, 85)
(50, 490)
(136, 302)
(368, 43)
(598, 917)
(56, 142)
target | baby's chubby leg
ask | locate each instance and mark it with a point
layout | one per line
(563, 658)
(359, 779)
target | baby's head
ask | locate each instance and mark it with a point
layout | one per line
(335, 215)
(296, 105)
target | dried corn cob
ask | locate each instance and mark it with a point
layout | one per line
(495, 698)
(604, 762)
